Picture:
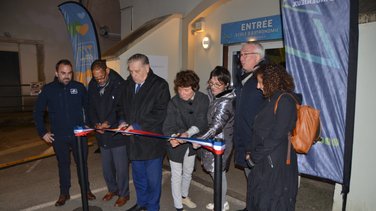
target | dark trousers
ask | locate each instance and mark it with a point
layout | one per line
(147, 178)
(115, 169)
(62, 147)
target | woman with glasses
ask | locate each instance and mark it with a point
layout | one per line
(186, 117)
(220, 119)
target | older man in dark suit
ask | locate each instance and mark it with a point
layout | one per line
(144, 107)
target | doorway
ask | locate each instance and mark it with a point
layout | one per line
(10, 83)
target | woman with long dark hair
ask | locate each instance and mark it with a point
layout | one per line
(273, 182)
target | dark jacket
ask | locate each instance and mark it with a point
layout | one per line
(272, 183)
(65, 105)
(181, 115)
(221, 121)
(102, 108)
(248, 103)
(147, 109)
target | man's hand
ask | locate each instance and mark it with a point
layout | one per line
(101, 126)
(98, 128)
(248, 160)
(126, 127)
(48, 138)
(130, 127)
(122, 126)
(106, 125)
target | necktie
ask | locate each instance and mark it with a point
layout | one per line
(138, 86)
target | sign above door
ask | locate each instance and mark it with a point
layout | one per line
(258, 29)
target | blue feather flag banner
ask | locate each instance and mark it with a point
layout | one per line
(83, 39)
(316, 38)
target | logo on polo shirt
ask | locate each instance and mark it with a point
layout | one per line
(73, 91)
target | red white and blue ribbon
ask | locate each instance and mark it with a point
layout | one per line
(215, 146)
(79, 131)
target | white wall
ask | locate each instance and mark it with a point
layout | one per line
(231, 11)
(114, 64)
(164, 41)
(28, 66)
(145, 10)
(363, 173)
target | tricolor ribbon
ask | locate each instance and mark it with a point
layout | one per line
(79, 131)
(215, 146)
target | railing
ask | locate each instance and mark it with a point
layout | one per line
(12, 99)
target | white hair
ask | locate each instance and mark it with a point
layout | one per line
(258, 48)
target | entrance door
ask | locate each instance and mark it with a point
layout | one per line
(274, 52)
(10, 83)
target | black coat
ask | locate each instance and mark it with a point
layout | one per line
(181, 115)
(103, 108)
(147, 109)
(248, 103)
(273, 184)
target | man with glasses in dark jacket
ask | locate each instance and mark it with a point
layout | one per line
(248, 101)
(104, 94)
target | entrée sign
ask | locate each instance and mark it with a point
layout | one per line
(265, 28)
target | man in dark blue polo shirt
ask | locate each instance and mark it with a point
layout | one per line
(65, 101)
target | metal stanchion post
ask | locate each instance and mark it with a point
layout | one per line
(218, 175)
(83, 177)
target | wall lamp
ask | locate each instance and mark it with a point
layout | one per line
(205, 42)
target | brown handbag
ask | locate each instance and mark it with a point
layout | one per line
(307, 129)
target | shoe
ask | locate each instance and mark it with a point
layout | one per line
(137, 208)
(90, 196)
(109, 196)
(121, 201)
(62, 199)
(226, 206)
(188, 202)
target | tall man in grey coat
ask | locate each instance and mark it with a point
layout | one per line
(248, 101)
(104, 95)
(144, 107)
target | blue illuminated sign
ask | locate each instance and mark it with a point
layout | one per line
(265, 28)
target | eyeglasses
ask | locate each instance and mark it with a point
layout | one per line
(216, 85)
(246, 54)
(101, 78)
